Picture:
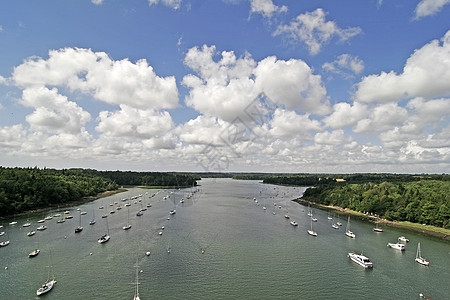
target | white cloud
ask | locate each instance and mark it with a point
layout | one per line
(11, 137)
(227, 87)
(345, 114)
(288, 124)
(97, 2)
(132, 123)
(292, 83)
(53, 112)
(429, 7)
(174, 4)
(345, 65)
(426, 74)
(336, 137)
(266, 8)
(312, 29)
(382, 117)
(96, 74)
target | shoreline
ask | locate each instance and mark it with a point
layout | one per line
(69, 204)
(441, 233)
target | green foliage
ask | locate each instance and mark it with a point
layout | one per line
(422, 201)
(23, 189)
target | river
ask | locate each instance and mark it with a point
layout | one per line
(248, 252)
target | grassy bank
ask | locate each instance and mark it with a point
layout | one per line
(441, 233)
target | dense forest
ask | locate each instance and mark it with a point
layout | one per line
(421, 199)
(23, 189)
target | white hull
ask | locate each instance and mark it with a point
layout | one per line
(103, 239)
(361, 260)
(350, 234)
(45, 288)
(397, 246)
(422, 261)
(311, 232)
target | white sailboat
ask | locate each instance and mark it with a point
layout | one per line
(128, 226)
(419, 257)
(92, 222)
(137, 283)
(348, 232)
(377, 229)
(311, 231)
(338, 223)
(48, 285)
(79, 228)
(104, 238)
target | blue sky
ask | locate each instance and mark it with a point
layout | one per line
(233, 85)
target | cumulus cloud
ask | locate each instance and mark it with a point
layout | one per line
(382, 117)
(288, 124)
(345, 114)
(227, 87)
(95, 73)
(336, 137)
(429, 7)
(312, 29)
(426, 74)
(345, 65)
(130, 122)
(174, 4)
(53, 112)
(266, 8)
(97, 2)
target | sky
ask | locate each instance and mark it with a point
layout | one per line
(306, 86)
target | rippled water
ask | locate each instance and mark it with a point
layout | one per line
(250, 253)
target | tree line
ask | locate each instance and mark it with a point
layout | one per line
(420, 198)
(23, 189)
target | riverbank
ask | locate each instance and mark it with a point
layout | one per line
(438, 232)
(69, 204)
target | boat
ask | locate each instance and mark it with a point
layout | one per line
(334, 226)
(48, 218)
(67, 212)
(41, 221)
(397, 246)
(4, 243)
(83, 213)
(172, 212)
(287, 216)
(13, 223)
(69, 217)
(79, 228)
(361, 260)
(92, 222)
(419, 257)
(34, 253)
(41, 228)
(338, 223)
(61, 220)
(26, 224)
(136, 291)
(48, 285)
(311, 231)
(309, 214)
(329, 217)
(348, 232)
(128, 226)
(377, 229)
(403, 239)
(104, 238)
(139, 213)
(2, 233)
(293, 223)
(31, 233)
(314, 219)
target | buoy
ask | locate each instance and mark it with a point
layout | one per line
(6, 268)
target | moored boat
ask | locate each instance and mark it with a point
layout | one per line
(361, 260)
(397, 246)
(34, 253)
(41, 228)
(293, 223)
(403, 239)
(419, 257)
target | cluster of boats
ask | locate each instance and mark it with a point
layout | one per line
(360, 259)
